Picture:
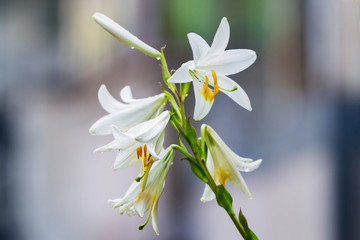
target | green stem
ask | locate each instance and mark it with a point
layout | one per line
(166, 74)
(183, 151)
(182, 111)
(237, 223)
(230, 212)
(185, 130)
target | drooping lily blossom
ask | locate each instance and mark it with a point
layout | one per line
(223, 164)
(127, 114)
(148, 135)
(139, 200)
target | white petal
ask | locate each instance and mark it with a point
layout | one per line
(132, 115)
(182, 74)
(143, 203)
(210, 163)
(246, 164)
(208, 194)
(121, 137)
(130, 196)
(221, 38)
(202, 107)
(154, 218)
(109, 147)
(239, 182)
(126, 158)
(228, 62)
(239, 95)
(121, 141)
(159, 143)
(115, 201)
(126, 95)
(128, 209)
(147, 131)
(198, 45)
(107, 102)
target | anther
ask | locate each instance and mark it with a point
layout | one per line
(216, 86)
(138, 153)
(207, 93)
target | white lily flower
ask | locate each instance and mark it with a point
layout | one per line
(210, 66)
(138, 201)
(223, 164)
(128, 114)
(148, 135)
(124, 36)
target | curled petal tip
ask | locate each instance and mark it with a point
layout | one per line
(92, 131)
(224, 19)
(96, 15)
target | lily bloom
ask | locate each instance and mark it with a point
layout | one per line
(128, 114)
(210, 67)
(223, 164)
(139, 201)
(123, 35)
(149, 134)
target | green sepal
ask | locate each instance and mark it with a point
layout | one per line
(203, 147)
(249, 235)
(175, 120)
(223, 198)
(172, 101)
(184, 88)
(198, 171)
(190, 131)
(191, 138)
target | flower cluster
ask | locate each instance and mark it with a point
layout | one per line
(138, 125)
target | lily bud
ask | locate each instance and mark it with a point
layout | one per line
(123, 35)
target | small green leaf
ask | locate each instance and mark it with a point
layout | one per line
(198, 171)
(191, 138)
(249, 235)
(190, 131)
(203, 147)
(223, 198)
(176, 122)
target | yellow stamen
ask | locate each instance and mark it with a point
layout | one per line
(207, 93)
(146, 163)
(216, 86)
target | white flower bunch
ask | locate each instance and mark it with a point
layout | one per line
(138, 125)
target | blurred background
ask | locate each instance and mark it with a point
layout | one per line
(305, 124)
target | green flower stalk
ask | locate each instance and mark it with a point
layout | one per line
(138, 125)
